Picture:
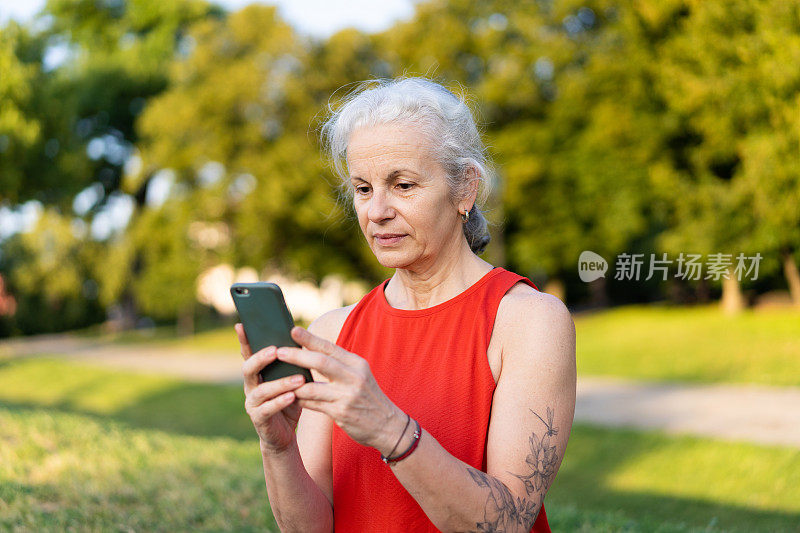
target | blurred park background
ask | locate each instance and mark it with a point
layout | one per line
(152, 152)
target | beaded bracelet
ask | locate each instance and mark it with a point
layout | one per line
(416, 436)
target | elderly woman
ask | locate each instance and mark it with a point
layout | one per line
(443, 400)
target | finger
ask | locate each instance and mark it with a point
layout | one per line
(321, 391)
(316, 405)
(312, 342)
(253, 365)
(246, 352)
(273, 406)
(324, 364)
(271, 389)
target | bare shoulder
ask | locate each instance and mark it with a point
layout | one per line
(522, 303)
(329, 325)
(530, 318)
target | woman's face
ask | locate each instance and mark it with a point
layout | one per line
(401, 196)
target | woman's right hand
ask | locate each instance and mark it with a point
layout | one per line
(270, 404)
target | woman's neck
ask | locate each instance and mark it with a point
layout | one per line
(448, 277)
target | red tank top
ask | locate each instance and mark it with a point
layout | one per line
(432, 364)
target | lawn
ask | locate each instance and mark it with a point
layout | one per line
(97, 449)
(659, 343)
(214, 340)
(696, 344)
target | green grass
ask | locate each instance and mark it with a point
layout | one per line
(88, 448)
(64, 471)
(658, 343)
(218, 339)
(221, 339)
(696, 344)
(669, 483)
(139, 400)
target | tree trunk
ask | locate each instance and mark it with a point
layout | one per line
(792, 276)
(597, 291)
(496, 249)
(702, 291)
(128, 311)
(555, 287)
(186, 321)
(732, 298)
(678, 292)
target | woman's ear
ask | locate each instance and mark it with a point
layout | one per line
(472, 180)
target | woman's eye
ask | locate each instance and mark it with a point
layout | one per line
(405, 186)
(362, 190)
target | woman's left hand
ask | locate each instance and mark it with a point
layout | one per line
(352, 397)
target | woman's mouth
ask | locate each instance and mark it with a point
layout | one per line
(388, 239)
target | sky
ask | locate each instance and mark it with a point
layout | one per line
(319, 18)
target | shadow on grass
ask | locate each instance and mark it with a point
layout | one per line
(614, 510)
(138, 400)
(166, 499)
(632, 512)
(187, 409)
(582, 497)
(193, 408)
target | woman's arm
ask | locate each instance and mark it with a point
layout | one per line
(531, 419)
(297, 502)
(299, 479)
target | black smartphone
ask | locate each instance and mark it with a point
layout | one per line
(267, 322)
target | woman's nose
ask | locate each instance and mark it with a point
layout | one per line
(379, 207)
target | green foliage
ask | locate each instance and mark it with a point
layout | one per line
(724, 75)
(245, 99)
(653, 126)
(19, 131)
(169, 263)
(117, 57)
(47, 270)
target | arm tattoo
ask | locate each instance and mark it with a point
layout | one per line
(501, 511)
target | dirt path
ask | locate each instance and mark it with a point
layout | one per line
(213, 367)
(759, 414)
(765, 415)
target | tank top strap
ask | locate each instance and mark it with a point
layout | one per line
(495, 289)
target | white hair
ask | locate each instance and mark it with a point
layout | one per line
(441, 116)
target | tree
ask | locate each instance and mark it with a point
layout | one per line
(573, 154)
(724, 75)
(47, 269)
(239, 117)
(19, 130)
(71, 123)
